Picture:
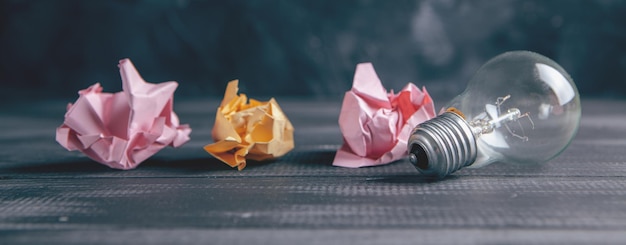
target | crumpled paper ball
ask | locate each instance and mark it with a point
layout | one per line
(123, 129)
(376, 125)
(249, 130)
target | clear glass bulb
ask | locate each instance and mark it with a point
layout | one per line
(519, 107)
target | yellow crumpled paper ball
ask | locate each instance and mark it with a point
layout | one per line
(249, 130)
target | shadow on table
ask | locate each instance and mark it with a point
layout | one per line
(193, 164)
(411, 179)
(318, 157)
(90, 166)
(309, 159)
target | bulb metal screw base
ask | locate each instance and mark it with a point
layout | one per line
(442, 145)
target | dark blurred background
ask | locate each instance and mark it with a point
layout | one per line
(307, 48)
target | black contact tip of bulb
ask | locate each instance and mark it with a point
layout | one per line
(418, 157)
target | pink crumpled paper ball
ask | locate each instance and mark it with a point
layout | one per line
(375, 124)
(123, 129)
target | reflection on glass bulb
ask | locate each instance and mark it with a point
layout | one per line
(520, 107)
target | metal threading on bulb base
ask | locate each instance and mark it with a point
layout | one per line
(442, 145)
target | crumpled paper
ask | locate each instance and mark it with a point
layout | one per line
(376, 125)
(255, 130)
(123, 129)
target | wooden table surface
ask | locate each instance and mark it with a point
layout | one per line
(184, 196)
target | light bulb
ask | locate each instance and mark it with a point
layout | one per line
(520, 107)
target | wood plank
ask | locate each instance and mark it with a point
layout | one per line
(364, 236)
(315, 202)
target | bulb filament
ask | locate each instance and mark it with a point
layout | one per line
(490, 121)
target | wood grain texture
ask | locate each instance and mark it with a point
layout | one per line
(49, 195)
